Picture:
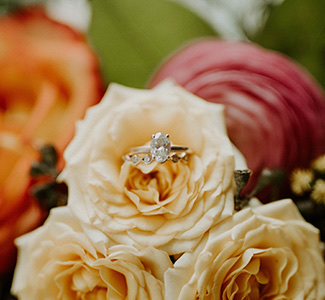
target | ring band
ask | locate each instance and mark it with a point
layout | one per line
(159, 150)
(146, 149)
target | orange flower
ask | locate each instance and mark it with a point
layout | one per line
(49, 76)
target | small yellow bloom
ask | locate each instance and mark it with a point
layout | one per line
(301, 181)
(319, 164)
(318, 193)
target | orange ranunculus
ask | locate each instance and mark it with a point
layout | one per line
(49, 76)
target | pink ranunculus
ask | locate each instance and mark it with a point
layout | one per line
(49, 76)
(275, 111)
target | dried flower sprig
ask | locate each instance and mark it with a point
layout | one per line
(268, 178)
(308, 188)
(301, 181)
(241, 179)
(318, 192)
(310, 183)
(318, 165)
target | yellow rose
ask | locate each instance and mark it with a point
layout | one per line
(268, 252)
(168, 206)
(58, 261)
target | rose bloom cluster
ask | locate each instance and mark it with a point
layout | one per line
(275, 110)
(137, 230)
(49, 76)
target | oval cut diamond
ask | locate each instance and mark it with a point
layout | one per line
(160, 147)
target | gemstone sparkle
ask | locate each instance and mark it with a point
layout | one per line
(160, 147)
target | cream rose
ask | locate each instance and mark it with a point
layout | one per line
(268, 252)
(58, 261)
(168, 206)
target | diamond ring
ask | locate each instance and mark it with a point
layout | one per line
(160, 150)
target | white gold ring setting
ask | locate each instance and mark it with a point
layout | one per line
(160, 150)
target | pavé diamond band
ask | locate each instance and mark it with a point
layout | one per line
(160, 150)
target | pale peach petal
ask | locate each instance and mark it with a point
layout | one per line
(253, 254)
(176, 201)
(66, 264)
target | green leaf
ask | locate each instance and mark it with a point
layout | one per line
(133, 36)
(297, 29)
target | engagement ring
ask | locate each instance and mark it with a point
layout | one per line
(160, 150)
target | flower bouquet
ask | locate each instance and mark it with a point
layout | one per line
(191, 178)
